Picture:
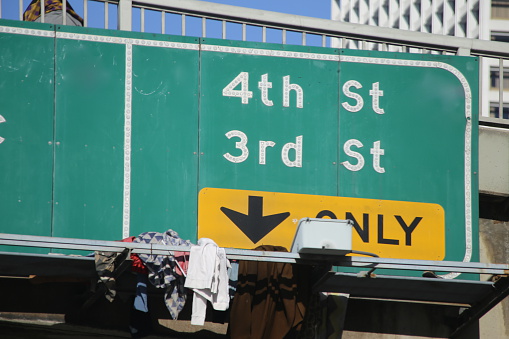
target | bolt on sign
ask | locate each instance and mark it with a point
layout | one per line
(127, 132)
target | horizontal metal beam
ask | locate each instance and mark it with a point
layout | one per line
(329, 27)
(86, 245)
(415, 265)
(251, 255)
(494, 122)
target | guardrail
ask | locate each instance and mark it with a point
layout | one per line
(205, 19)
(251, 255)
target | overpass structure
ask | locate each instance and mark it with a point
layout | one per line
(257, 25)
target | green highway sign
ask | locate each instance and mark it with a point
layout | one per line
(136, 132)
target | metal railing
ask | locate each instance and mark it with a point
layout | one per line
(253, 255)
(205, 19)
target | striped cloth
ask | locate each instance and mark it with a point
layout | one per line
(162, 269)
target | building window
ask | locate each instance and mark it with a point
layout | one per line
(500, 9)
(495, 111)
(495, 78)
(500, 36)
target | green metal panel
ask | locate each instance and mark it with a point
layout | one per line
(143, 122)
(89, 137)
(26, 128)
(430, 154)
(165, 138)
(127, 159)
(270, 121)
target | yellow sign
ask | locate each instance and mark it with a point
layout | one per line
(391, 229)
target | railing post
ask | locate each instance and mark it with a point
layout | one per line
(125, 15)
(463, 51)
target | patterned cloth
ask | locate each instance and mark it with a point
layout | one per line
(271, 299)
(233, 277)
(106, 265)
(33, 10)
(162, 269)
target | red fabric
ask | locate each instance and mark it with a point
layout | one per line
(138, 266)
(182, 259)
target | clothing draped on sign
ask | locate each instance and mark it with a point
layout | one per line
(207, 276)
(164, 270)
(140, 323)
(107, 266)
(233, 277)
(137, 265)
(270, 300)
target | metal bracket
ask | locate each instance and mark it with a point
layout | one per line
(367, 274)
(324, 275)
(463, 51)
(500, 291)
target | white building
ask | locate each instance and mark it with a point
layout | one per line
(478, 19)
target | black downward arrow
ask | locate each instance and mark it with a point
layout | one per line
(253, 224)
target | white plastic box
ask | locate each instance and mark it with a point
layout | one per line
(323, 236)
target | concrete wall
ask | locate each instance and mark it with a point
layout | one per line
(494, 247)
(494, 160)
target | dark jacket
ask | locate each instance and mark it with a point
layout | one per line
(270, 300)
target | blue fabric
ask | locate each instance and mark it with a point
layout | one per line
(141, 299)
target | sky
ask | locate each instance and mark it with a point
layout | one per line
(315, 8)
